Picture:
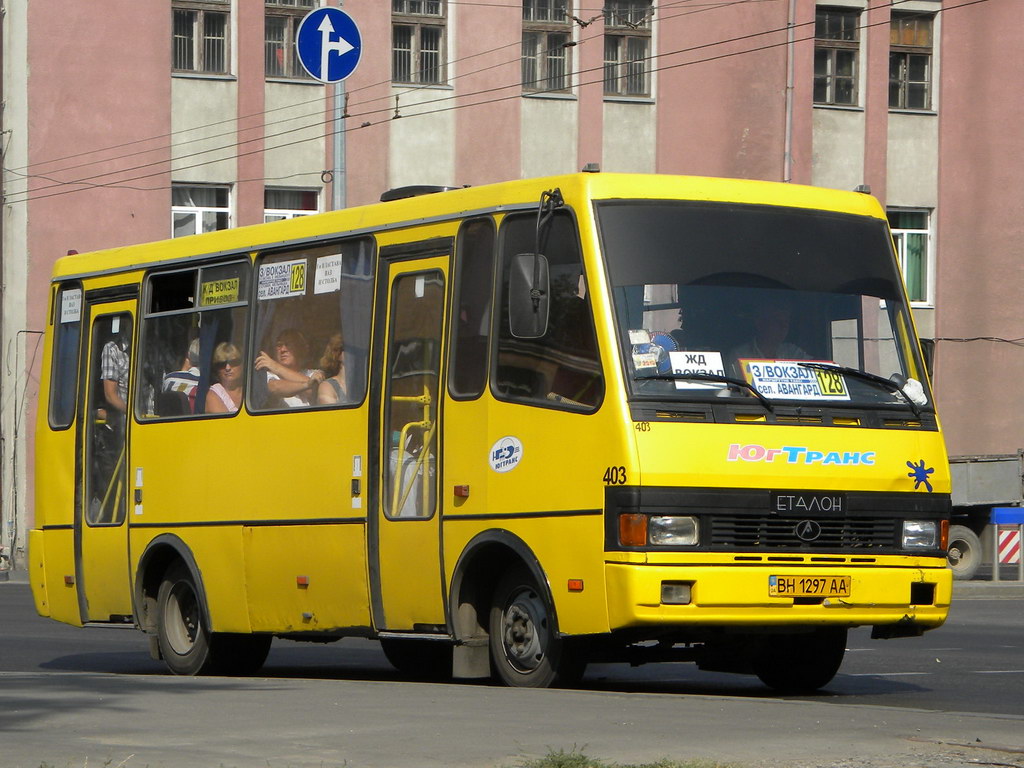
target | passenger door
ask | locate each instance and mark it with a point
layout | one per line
(103, 477)
(404, 519)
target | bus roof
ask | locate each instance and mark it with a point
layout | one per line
(460, 203)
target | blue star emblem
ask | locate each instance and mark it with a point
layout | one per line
(919, 473)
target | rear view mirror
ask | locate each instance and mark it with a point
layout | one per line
(528, 296)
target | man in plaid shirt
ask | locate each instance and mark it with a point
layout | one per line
(114, 373)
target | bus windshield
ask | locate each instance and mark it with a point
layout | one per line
(789, 305)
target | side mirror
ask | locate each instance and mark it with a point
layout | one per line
(528, 296)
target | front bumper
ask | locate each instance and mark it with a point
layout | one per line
(738, 595)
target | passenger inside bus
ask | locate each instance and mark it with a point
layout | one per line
(184, 381)
(289, 383)
(332, 389)
(225, 395)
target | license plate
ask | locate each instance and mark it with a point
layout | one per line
(809, 586)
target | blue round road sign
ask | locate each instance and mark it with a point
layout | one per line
(329, 44)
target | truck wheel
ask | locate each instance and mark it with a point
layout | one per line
(525, 651)
(964, 554)
(182, 633)
(801, 663)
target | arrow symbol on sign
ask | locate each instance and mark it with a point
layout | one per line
(341, 46)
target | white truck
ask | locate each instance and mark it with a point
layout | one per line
(979, 484)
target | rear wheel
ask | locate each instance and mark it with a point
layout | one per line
(525, 650)
(419, 659)
(964, 553)
(801, 663)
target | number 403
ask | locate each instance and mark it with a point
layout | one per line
(615, 476)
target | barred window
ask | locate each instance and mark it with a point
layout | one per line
(547, 34)
(417, 41)
(627, 47)
(910, 61)
(200, 36)
(836, 48)
(281, 26)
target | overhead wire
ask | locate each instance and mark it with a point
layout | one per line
(123, 182)
(319, 100)
(87, 181)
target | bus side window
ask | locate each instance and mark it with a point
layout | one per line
(188, 314)
(561, 368)
(474, 270)
(312, 336)
(64, 368)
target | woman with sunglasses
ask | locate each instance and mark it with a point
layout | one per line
(225, 396)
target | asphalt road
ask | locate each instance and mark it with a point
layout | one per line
(77, 697)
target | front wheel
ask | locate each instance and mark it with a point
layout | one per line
(182, 634)
(964, 553)
(525, 650)
(801, 663)
(185, 642)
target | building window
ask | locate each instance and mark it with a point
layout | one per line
(836, 43)
(417, 41)
(280, 25)
(197, 209)
(201, 36)
(547, 34)
(281, 204)
(627, 47)
(912, 238)
(910, 61)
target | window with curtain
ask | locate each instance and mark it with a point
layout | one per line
(911, 236)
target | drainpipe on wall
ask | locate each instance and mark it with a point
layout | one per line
(787, 173)
(5, 562)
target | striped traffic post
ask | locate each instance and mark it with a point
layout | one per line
(1009, 530)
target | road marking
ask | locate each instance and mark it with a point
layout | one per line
(999, 671)
(887, 674)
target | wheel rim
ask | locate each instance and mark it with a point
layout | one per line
(181, 618)
(523, 626)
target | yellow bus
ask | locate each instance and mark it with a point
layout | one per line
(507, 430)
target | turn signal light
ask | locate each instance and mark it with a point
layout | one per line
(944, 535)
(633, 530)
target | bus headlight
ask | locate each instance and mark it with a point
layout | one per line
(673, 531)
(920, 534)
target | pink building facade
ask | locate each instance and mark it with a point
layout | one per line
(129, 124)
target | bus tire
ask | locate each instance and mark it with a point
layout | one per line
(525, 650)
(964, 553)
(801, 663)
(419, 659)
(182, 634)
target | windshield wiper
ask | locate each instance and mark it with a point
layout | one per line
(714, 378)
(881, 381)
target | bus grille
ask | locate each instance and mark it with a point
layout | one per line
(743, 532)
